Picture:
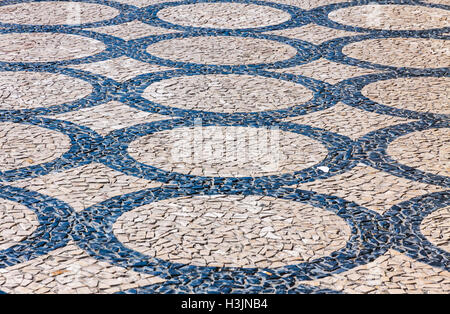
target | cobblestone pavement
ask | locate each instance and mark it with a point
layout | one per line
(290, 146)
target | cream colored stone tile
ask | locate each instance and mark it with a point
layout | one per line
(424, 94)
(222, 50)
(401, 52)
(70, 270)
(391, 273)
(392, 17)
(304, 4)
(144, 3)
(46, 47)
(23, 145)
(327, 71)
(120, 69)
(347, 120)
(427, 150)
(370, 188)
(228, 151)
(313, 33)
(224, 15)
(232, 231)
(28, 90)
(16, 223)
(86, 185)
(308, 4)
(241, 231)
(436, 1)
(56, 13)
(436, 228)
(108, 117)
(227, 93)
(132, 30)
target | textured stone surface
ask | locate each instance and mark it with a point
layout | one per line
(227, 93)
(108, 117)
(148, 146)
(120, 69)
(54, 13)
(374, 189)
(223, 15)
(402, 52)
(44, 47)
(435, 228)
(392, 17)
(17, 222)
(313, 33)
(132, 30)
(425, 94)
(222, 50)
(25, 90)
(392, 273)
(346, 120)
(427, 150)
(85, 186)
(25, 145)
(327, 71)
(308, 4)
(69, 270)
(232, 231)
(228, 151)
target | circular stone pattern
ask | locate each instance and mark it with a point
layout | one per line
(424, 94)
(222, 50)
(234, 231)
(55, 13)
(46, 47)
(28, 90)
(23, 145)
(16, 223)
(436, 228)
(227, 151)
(223, 15)
(227, 93)
(427, 150)
(401, 52)
(392, 17)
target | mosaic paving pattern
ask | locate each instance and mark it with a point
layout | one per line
(224, 146)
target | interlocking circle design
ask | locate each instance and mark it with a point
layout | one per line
(371, 234)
